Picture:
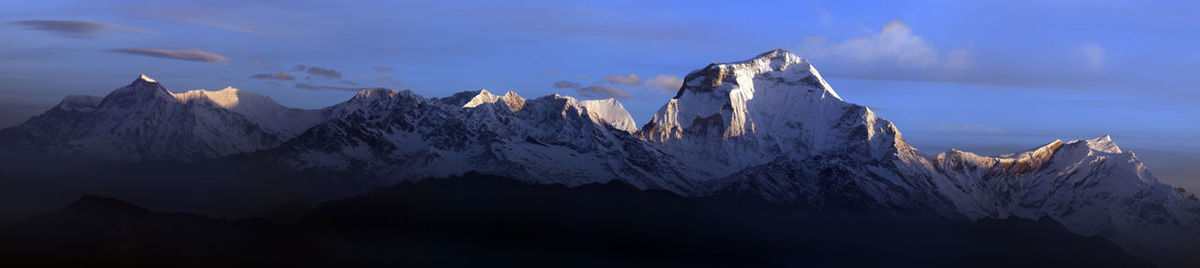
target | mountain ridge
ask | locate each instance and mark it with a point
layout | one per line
(770, 127)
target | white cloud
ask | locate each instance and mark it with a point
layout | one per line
(1093, 55)
(823, 16)
(895, 44)
(666, 82)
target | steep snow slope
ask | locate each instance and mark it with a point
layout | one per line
(728, 117)
(772, 127)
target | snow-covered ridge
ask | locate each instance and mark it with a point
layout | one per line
(608, 111)
(1020, 162)
(144, 121)
(258, 108)
(79, 103)
(510, 99)
(769, 127)
(600, 112)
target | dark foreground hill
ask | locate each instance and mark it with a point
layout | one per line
(478, 220)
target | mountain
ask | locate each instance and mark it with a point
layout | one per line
(772, 127)
(1091, 186)
(389, 136)
(144, 121)
(768, 130)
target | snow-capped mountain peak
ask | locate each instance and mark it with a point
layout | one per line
(141, 89)
(1103, 144)
(147, 79)
(606, 111)
(764, 93)
(773, 106)
(510, 99)
(144, 121)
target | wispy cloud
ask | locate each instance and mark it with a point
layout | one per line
(299, 68)
(187, 54)
(327, 73)
(665, 82)
(970, 129)
(383, 69)
(1093, 55)
(627, 80)
(567, 84)
(257, 63)
(200, 15)
(894, 45)
(74, 28)
(313, 87)
(280, 75)
(395, 83)
(822, 15)
(218, 24)
(347, 82)
(603, 92)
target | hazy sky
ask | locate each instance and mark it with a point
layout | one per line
(988, 76)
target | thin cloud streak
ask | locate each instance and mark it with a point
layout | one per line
(74, 28)
(188, 54)
(327, 73)
(199, 15)
(280, 75)
(383, 69)
(314, 87)
(603, 92)
(970, 129)
(567, 84)
(627, 80)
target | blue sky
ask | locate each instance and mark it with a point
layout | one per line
(987, 76)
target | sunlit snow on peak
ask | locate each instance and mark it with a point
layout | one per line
(147, 79)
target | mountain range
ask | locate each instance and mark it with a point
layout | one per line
(769, 130)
